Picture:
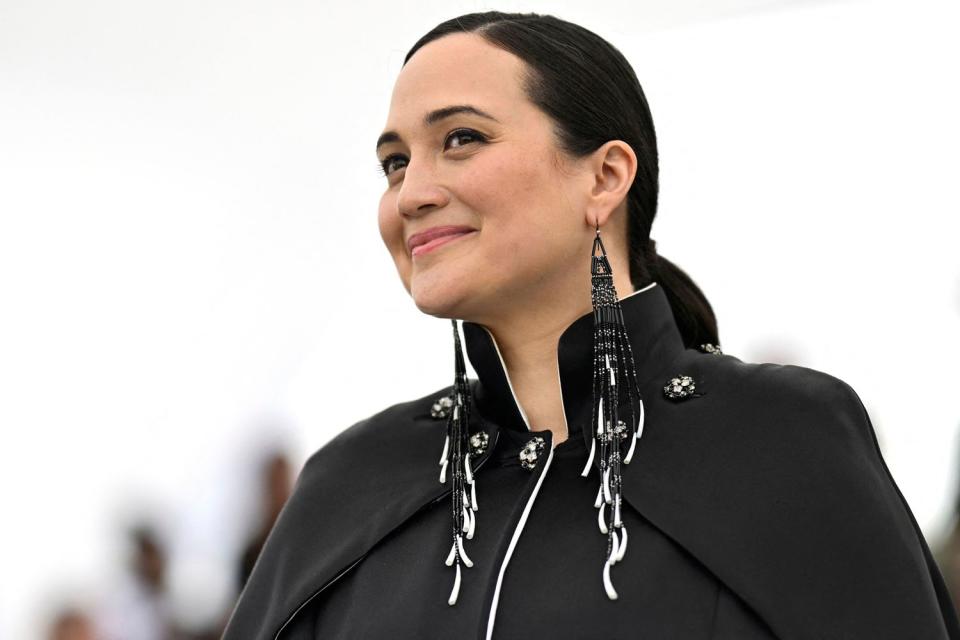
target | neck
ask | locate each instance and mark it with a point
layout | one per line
(527, 340)
(531, 404)
(531, 363)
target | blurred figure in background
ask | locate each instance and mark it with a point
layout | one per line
(276, 481)
(71, 624)
(140, 608)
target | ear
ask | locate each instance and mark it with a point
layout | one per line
(613, 168)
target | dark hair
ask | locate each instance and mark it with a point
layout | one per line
(590, 91)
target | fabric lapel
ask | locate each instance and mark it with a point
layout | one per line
(350, 494)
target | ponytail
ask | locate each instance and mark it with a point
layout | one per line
(691, 309)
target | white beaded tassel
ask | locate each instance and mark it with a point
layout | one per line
(614, 382)
(636, 436)
(452, 600)
(607, 583)
(623, 543)
(456, 456)
(605, 494)
(593, 442)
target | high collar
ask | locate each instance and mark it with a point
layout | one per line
(653, 333)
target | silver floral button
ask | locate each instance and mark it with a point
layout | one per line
(441, 408)
(711, 348)
(478, 443)
(679, 387)
(530, 452)
(619, 432)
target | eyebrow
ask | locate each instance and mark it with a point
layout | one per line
(436, 116)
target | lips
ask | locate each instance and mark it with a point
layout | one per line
(435, 236)
(437, 242)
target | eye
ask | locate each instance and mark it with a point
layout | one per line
(385, 164)
(467, 133)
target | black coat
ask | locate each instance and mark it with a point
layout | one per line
(760, 509)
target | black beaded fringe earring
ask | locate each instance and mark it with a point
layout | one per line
(614, 382)
(456, 457)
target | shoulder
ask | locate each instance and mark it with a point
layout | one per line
(786, 457)
(349, 494)
(786, 398)
(786, 379)
(379, 438)
(779, 423)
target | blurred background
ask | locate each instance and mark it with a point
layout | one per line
(182, 183)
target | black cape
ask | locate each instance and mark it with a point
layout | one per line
(772, 481)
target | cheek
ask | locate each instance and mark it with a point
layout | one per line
(524, 213)
(388, 222)
(506, 178)
(391, 232)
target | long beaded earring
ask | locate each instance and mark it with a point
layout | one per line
(456, 456)
(614, 382)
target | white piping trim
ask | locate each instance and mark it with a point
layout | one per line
(646, 288)
(506, 375)
(513, 543)
(563, 407)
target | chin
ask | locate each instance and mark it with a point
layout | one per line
(438, 295)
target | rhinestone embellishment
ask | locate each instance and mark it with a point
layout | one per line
(441, 408)
(619, 432)
(530, 452)
(679, 387)
(478, 443)
(711, 348)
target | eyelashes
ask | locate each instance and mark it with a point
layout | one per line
(384, 165)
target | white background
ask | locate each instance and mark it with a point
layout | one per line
(190, 267)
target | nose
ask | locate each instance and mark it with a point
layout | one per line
(421, 190)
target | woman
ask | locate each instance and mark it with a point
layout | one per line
(756, 504)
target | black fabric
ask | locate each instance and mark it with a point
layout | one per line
(552, 585)
(762, 509)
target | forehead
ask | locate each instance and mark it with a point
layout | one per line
(460, 68)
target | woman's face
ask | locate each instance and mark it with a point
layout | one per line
(501, 176)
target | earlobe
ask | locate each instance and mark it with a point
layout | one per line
(598, 217)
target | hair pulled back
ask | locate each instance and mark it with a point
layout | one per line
(592, 94)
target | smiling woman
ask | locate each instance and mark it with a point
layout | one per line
(755, 505)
